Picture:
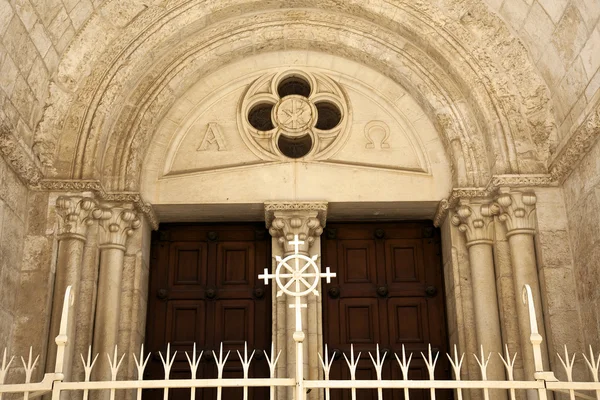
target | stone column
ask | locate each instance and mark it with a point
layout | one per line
(75, 218)
(116, 225)
(518, 213)
(307, 220)
(476, 220)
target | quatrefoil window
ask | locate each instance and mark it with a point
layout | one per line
(295, 114)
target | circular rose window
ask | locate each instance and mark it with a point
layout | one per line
(294, 114)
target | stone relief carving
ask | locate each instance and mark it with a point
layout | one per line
(117, 225)
(475, 220)
(287, 219)
(497, 182)
(377, 130)
(76, 215)
(66, 185)
(20, 158)
(518, 211)
(294, 114)
(212, 137)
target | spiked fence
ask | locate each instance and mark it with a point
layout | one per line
(298, 285)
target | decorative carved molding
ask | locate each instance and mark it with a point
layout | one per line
(294, 116)
(76, 216)
(117, 224)
(19, 157)
(577, 146)
(272, 206)
(67, 185)
(521, 181)
(287, 219)
(496, 182)
(475, 219)
(452, 201)
(518, 211)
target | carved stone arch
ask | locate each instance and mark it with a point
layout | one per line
(473, 112)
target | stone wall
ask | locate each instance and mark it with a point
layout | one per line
(13, 216)
(563, 39)
(582, 200)
(34, 35)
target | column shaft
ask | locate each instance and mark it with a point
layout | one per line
(485, 301)
(68, 273)
(106, 324)
(525, 272)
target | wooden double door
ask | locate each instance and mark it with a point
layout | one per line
(204, 289)
(388, 291)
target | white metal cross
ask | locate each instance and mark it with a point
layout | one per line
(300, 276)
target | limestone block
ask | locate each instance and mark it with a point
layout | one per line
(551, 67)
(550, 209)
(515, 12)
(9, 282)
(590, 54)
(553, 249)
(572, 86)
(80, 13)
(570, 34)
(590, 11)
(554, 8)
(593, 86)
(11, 240)
(26, 13)
(558, 288)
(584, 223)
(59, 25)
(36, 251)
(8, 74)
(537, 27)
(6, 14)
(38, 79)
(6, 329)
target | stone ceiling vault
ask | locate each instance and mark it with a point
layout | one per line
(133, 59)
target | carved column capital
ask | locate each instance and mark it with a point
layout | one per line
(286, 219)
(475, 219)
(75, 216)
(517, 211)
(116, 225)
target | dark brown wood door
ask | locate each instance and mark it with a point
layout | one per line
(388, 291)
(204, 289)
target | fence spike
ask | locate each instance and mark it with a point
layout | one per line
(272, 361)
(5, 366)
(456, 363)
(430, 362)
(593, 363)
(353, 363)
(379, 363)
(483, 363)
(509, 363)
(140, 363)
(89, 364)
(220, 361)
(404, 364)
(327, 363)
(29, 366)
(114, 364)
(567, 364)
(245, 360)
(168, 362)
(194, 361)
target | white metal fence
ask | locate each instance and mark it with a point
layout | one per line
(300, 275)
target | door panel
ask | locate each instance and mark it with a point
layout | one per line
(202, 290)
(380, 297)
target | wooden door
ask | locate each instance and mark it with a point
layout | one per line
(388, 291)
(204, 289)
